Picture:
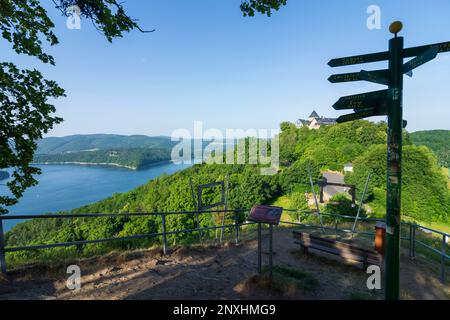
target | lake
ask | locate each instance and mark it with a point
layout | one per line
(65, 187)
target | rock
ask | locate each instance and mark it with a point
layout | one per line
(164, 262)
(114, 269)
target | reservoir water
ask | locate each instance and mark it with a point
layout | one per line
(65, 187)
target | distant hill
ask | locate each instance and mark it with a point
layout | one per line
(438, 141)
(135, 159)
(75, 143)
(134, 152)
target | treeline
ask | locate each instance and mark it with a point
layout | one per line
(55, 145)
(438, 141)
(425, 195)
(331, 146)
(137, 158)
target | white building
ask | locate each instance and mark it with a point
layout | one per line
(348, 167)
(315, 121)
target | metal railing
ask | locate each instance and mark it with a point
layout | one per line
(334, 226)
(442, 253)
(3, 249)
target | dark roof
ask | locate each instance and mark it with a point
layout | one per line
(326, 121)
(314, 115)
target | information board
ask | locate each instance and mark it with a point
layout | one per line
(266, 214)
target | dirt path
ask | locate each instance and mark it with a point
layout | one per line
(209, 273)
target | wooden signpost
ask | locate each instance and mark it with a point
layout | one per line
(390, 103)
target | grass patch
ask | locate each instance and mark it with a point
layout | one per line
(360, 295)
(285, 280)
(439, 226)
(284, 202)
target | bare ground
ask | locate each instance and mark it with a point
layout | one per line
(211, 272)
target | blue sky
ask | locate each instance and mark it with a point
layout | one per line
(205, 61)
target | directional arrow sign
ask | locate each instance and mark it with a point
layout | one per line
(376, 77)
(370, 112)
(360, 100)
(365, 58)
(425, 57)
(375, 107)
(354, 116)
(381, 56)
(345, 77)
(415, 51)
(355, 76)
(379, 107)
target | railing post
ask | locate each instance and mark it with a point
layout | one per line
(270, 249)
(335, 227)
(164, 230)
(2, 249)
(259, 248)
(321, 191)
(411, 227)
(236, 225)
(443, 253)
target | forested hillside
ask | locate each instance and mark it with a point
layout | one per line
(425, 193)
(55, 145)
(130, 158)
(438, 141)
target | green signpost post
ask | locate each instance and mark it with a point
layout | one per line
(387, 102)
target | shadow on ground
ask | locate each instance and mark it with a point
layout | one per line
(213, 272)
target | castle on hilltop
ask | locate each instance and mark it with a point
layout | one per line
(315, 121)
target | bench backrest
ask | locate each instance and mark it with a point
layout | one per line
(339, 246)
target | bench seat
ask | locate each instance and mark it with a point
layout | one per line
(344, 250)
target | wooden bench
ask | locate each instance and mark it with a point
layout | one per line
(344, 250)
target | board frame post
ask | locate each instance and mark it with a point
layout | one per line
(236, 226)
(3, 268)
(164, 229)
